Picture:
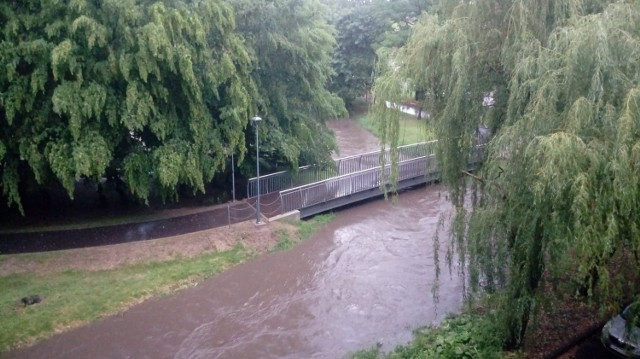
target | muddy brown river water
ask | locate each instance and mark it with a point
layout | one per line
(352, 139)
(363, 279)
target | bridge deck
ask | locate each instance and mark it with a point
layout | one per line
(415, 166)
(279, 181)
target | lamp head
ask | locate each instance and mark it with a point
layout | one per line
(256, 120)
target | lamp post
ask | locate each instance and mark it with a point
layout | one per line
(233, 177)
(256, 120)
(233, 173)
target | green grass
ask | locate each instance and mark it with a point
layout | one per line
(78, 297)
(373, 353)
(412, 130)
(74, 298)
(284, 241)
(305, 230)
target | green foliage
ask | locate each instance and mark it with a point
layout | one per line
(373, 353)
(362, 29)
(292, 45)
(559, 185)
(89, 86)
(285, 241)
(466, 336)
(354, 58)
(309, 227)
(305, 229)
(400, 17)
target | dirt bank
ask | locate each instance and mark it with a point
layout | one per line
(258, 238)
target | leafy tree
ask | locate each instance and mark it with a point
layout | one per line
(557, 197)
(355, 56)
(400, 16)
(361, 31)
(148, 90)
(338, 8)
(292, 45)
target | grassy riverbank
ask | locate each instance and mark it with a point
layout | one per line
(74, 296)
(412, 130)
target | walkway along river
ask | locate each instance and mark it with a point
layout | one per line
(364, 278)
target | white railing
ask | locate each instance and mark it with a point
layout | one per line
(282, 180)
(348, 184)
(278, 181)
(367, 179)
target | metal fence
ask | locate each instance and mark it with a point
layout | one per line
(278, 181)
(282, 180)
(370, 178)
(348, 184)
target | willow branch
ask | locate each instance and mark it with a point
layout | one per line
(483, 181)
(477, 178)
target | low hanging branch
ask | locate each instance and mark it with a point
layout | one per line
(477, 178)
(483, 181)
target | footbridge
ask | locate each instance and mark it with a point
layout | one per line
(311, 190)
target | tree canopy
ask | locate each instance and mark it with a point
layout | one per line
(291, 44)
(157, 94)
(358, 32)
(557, 197)
(152, 90)
(363, 28)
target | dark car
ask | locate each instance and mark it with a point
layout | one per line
(621, 334)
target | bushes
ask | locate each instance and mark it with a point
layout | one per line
(466, 336)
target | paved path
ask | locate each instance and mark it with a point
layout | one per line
(11, 243)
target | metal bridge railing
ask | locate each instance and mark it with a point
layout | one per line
(347, 184)
(282, 180)
(278, 181)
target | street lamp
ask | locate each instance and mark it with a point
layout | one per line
(233, 173)
(233, 177)
(256, 120)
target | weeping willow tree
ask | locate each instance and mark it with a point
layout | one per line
(558, 195)
(152, 92)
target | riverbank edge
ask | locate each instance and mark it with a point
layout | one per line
(38, 324)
